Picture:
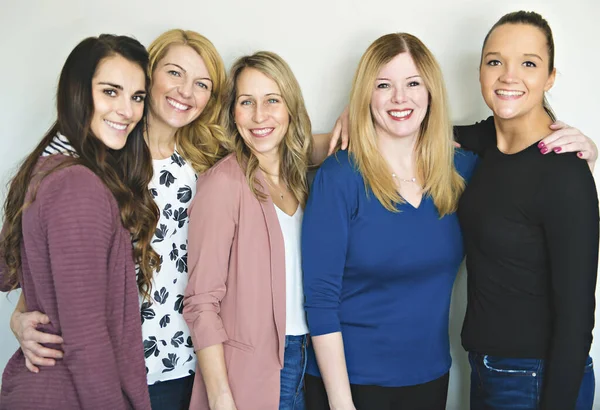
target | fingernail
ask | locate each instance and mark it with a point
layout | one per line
(544, 150)
(557, 149)
(580, 154)
(541, 145)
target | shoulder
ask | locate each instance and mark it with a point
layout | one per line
(476, 137)
(223, 182)
(565, 167)
(465, 162)
(339, 165)
(74, 178)
(227, 168)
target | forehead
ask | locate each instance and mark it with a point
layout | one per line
(187, 58)
(118, 70)
(517, 38)
(253, 81)
(401, 66)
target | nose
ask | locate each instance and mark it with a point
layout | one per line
(509, 74)
(399, 95)
(185, 89)
(125, 108)
(259, 114)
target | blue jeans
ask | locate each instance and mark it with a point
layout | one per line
(171, 395)
(499, 383)
(292, 374)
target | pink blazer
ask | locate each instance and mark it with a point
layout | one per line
(236, 289)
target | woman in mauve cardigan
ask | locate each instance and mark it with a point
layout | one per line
(70, 215)
(235, 302)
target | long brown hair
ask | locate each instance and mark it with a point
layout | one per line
(126, 172)
(297, 142)
(201, 142)
(434, 152)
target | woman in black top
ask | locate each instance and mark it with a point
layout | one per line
(530, 225)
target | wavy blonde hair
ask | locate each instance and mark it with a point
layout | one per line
(202, 142)
(296, 144)
(434, 150)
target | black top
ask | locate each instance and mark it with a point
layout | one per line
(530, 225)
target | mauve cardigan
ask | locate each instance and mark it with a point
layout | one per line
(78, 268)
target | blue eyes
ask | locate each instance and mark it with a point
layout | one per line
(387, 85)
(177, 74)
(174, 73)
(269, 101)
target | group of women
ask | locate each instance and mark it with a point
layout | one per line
(166, 215)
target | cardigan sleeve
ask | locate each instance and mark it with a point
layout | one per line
(325, 231)
(569, 207)
(213, 221)
(4, 285)
(77, 216)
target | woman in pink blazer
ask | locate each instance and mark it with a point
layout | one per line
(244, 300)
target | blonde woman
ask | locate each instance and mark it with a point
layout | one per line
(381, 242)
(244, 299)
(187, 78)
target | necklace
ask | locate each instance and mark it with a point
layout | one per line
(413, 179)
(274, 188)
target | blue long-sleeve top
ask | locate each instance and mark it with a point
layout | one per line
(383, 279)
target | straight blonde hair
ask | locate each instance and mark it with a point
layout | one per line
(434, 150)
(296, 144)
(202, 142)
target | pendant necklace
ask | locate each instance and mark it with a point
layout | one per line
(413, 179)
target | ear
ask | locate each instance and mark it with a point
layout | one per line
(550, 81)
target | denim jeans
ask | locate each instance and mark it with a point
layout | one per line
(501, 383)
(172, 395)
(292, 374)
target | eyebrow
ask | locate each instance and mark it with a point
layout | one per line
(184, 70)
(266, 95)
(495, 53)
(407, 78)
(119, 87)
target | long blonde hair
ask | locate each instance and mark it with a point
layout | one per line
(297, 142)
(203, 141)
(434, 151)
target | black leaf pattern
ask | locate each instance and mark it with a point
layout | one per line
(170, 362)
(163, 342)
(147, 312)
(151, 347)
(166, 319)
(153, 192)
(177, 339)
(184, 194)
(174, 252)
(182, 264)
(161, 263)
(160, 233)
(166, 178)
(167, 212)
(188, 342)
(162, 296)
(179, 304)
(189, 359)
(180, 216)
(176, 159)
(183, 246)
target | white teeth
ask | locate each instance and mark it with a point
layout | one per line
(115, 125)
(509, 93)
(262, 131)
(175, 104)
(400, 114)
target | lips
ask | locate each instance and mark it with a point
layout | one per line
(261, 132)
(178, 105)
(400, 115)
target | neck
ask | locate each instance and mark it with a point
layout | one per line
(160, 138)
(269, 163)
(398, 153)
(516, 134)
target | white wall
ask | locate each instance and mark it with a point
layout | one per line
(322, 40)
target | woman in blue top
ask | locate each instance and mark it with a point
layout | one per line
(381, 242)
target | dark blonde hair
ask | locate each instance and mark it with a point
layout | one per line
(434, 150)
(202, 142)
(297, 142)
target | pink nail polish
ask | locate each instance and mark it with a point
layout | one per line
(580, 154)
(557, 149)
(544, 150)
(541, 145)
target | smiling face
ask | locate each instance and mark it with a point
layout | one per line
(118, 92)
(514, 70)
(181, 87)
(260, 113)
(399, 100)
